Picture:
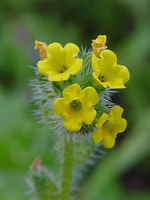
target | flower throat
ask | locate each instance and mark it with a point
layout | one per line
(75, 105)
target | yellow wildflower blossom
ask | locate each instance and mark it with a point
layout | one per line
(61, 62)
(107, 72)
(76, 106)
(42, 49)
(98, 45)
(109, 126)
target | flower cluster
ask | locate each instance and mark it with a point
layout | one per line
(78, 85)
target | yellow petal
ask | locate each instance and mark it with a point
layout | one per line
(53, 49)
(118, 76)
(106, 62)
(95, 63)
(76, 66)
(71, 50)
(43, 67)
(97, 136)
(88, 115)
(116, 83)
(54, 76)
(102, 120)
(90, 96)
(73, 92)
(119, 126)
(116, 123)
(56, 57)
(59, 107)
(116, 112)
(55, 64)
(72, 124)
(108, 59)
(109, 142)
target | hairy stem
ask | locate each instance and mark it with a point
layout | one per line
(67, 169)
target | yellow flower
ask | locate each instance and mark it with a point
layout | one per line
(42, 49)
(109, 126)
(61, 62)
(98, 45)
(76, 106)
(107, 72)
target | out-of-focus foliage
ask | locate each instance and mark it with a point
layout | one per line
(126, 23)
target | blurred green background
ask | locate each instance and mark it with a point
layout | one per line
(124, 172)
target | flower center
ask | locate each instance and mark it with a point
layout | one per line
(63, 69)
(101, 78)
(75, 104)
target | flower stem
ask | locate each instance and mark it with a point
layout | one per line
(67, 169)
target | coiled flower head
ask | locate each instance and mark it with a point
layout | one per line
(74, 91)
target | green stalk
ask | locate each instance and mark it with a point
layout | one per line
(67, 169)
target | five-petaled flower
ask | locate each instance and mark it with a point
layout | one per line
(109, 126)
(60, 62)
(98, 45)
(107, 72)
(76, 106)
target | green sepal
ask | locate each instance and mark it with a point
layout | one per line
(44, 185)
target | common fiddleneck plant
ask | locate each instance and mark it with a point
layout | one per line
(73, 90)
